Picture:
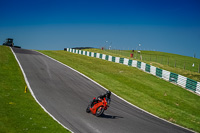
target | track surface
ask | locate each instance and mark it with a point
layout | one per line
(65, 94)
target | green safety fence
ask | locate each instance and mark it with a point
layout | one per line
(130, 62)
(121, 60)
(148, 67)
(169, 76)
(138, 64)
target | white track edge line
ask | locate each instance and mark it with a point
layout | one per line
(29, 87)
(116, 94)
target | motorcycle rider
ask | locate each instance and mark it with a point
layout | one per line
(106, 95)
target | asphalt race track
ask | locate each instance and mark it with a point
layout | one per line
(65, 94)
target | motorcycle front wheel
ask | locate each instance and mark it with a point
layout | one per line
(99, 111)
(88, 109)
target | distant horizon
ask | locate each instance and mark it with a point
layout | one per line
(116, 49)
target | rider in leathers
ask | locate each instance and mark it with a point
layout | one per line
(106, 95)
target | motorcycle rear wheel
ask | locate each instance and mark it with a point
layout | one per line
(99, 111)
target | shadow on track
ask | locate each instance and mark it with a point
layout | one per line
(110, 116)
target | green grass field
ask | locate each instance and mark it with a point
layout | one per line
(19, 111)
(179, 64)
(146, 91)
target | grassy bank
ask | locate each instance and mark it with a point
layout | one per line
(19, 112)
(179, 64)
(146, 91)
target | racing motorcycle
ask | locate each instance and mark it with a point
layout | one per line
(99, 107)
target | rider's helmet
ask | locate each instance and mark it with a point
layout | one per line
(108, 93)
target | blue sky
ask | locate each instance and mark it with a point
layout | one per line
(163, 25)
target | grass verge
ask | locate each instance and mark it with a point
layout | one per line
(166, 61)
(146, 91)
(19, 112)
